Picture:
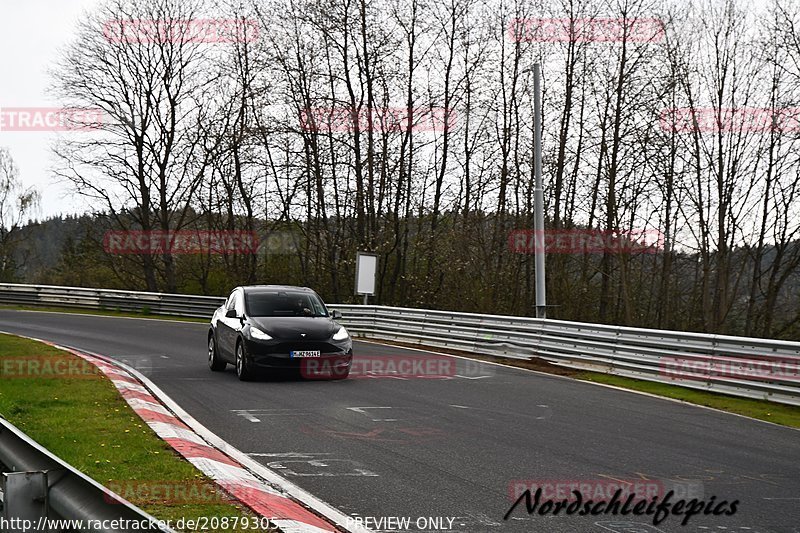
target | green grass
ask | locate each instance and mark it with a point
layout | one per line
(778, 413)
(85, 422)
(104, 312)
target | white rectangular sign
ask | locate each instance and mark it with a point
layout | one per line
(366, 269)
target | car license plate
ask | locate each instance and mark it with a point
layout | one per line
(304, 353)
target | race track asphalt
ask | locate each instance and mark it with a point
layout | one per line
(450, 445)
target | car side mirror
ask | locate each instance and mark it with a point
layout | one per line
(336, 314)
(231, 313)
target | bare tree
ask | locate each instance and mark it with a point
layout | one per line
(16, 203)
(145, 164)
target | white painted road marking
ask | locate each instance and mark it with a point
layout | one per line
(363, 412)
(321, 468)
(253, 415)
(289, 455)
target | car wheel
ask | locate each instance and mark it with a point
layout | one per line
(243, 370)
(214, 362)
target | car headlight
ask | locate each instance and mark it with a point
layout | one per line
(341, 334)
(258, 334)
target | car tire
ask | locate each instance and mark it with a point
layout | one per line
(214, 362)
(243, 370)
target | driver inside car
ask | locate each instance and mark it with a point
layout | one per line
(301, 308)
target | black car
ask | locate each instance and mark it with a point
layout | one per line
(264, 327)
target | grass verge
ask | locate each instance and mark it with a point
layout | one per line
(778, 413)
(79, 416)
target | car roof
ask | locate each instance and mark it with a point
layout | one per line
(274, 288)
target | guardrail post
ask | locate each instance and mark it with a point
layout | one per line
(711, 366)
(24, 500)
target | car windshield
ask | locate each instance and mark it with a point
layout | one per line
(284, 303)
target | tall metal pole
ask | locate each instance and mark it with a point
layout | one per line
(538, 196)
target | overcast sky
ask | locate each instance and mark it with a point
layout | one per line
(31, 33)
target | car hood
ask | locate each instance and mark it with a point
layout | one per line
(293, 328)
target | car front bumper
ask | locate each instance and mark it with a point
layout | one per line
(276, 354)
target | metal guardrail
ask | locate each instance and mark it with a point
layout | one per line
(38, 486)
(109, 300)
(740, 366)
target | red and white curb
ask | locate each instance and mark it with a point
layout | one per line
(262, 490)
